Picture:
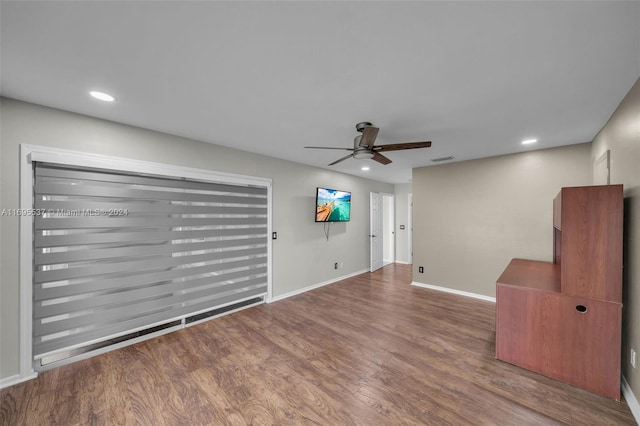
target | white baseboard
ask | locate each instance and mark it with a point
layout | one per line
(453, 291)
(402, 262)
(314, 286)
(14, 380)
(631, 399)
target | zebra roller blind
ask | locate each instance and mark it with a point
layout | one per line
(117, 252)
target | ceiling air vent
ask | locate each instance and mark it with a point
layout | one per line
(437, 160)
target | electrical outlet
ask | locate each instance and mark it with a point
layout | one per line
(341, 265)
(335, 265)
(421, 269)
(633, 358)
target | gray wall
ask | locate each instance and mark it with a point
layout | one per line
(402, 191)
(301, 255)
(471, 218)
(621, 135)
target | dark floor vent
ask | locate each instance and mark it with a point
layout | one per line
(222, 310)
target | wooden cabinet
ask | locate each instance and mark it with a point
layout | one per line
(563, 319)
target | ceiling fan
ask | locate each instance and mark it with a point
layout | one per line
(364, 148)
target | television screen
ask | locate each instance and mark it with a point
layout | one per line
(332, 205)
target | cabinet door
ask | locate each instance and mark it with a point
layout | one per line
(591, 341)
(591, 251)
(527, 329)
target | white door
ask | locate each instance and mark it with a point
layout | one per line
(375, 231)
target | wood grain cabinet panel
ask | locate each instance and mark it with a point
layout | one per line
(592, 242)
(563, 319)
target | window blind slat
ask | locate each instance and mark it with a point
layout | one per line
(155, 262)
(146, 222)
(193, 277)
(58, 189)
(99, 253)
(148, 207)
(42, 241)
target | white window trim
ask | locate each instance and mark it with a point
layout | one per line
(30, 153)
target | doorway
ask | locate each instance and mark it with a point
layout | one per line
(381, 230)
(388, 229)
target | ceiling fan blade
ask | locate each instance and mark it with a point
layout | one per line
(400, 146)
(381, 158)
(369, 135)
(341, 159)
(327, 147)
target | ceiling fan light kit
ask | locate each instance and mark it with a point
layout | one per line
(363, 154)
(364, 148)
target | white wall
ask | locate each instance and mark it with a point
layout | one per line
(302, 256)
(471, 218)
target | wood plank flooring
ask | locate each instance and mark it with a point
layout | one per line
(369, 350)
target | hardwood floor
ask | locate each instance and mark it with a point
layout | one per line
(369, 350)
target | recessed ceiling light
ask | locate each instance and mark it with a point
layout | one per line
(102, 96)
(365, 168)
(529, 141)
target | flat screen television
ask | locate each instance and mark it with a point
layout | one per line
(332, 205)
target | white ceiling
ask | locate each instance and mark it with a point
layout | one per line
(475, 78)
